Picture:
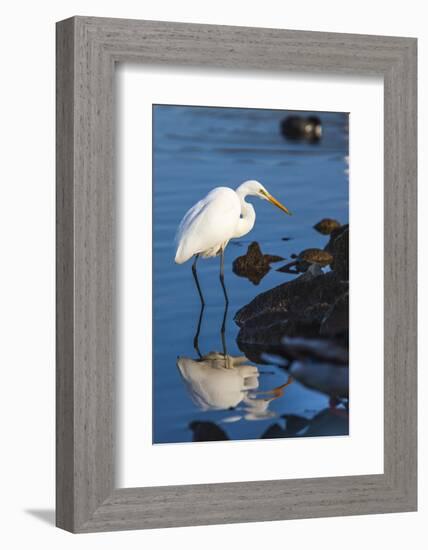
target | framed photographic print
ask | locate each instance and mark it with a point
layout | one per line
(236, 274)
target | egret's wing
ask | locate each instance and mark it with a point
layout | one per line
(208, 223)
(189, 217)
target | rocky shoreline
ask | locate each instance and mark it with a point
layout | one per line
(310, 311)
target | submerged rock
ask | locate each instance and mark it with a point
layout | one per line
(254, 265)
(326, 226)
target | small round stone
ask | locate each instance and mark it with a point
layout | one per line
(326, 226)
(316, 256)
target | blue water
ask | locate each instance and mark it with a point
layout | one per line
(196, 149)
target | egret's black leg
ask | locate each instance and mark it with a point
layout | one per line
(198, 330)
(222, 276)
(198, 286)
(195, 276)
(226, 305)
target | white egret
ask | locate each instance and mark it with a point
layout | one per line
(209, 225)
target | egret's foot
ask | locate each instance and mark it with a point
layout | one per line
(228, 362)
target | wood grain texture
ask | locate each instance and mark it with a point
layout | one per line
(87, 50)
(64, 276)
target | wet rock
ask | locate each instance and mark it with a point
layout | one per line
(338, 247)
(326, 226)
(294, 308)
(260, 353)
(267, 332)
(254, 265)
(316, 256)
(292, 297)
(336, 319)
(297, 127)
(294, 268)
(306, 258)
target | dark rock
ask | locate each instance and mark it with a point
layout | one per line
(254, 265)
(293, 297)
(306, 258)
(326, 226)
(316, 256)
(294, 308)
(298, 127)
(338, 247)
(294, 268)
(269, 333)
(336, 319)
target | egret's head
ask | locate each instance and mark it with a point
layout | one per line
(255, 188)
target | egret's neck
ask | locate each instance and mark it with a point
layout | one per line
(248, 214)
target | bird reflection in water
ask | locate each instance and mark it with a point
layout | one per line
(220, 381)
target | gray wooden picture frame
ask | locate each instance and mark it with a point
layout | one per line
(87, 50)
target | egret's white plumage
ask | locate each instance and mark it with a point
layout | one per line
(222, 215)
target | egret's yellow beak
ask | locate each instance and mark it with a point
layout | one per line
(277, 203)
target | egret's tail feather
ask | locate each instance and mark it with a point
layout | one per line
(181, 256)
